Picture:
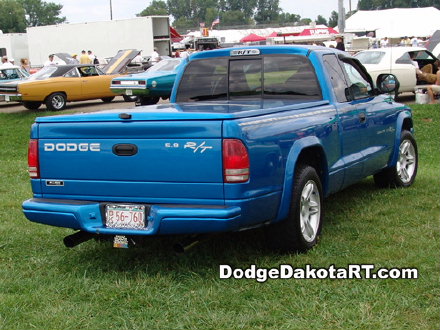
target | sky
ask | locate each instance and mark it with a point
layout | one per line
(79, 11)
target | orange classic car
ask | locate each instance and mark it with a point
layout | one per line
(57, 85)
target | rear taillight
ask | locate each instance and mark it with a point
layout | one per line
(235, 161)
(116, 82)
(142, 82)
(33, 161)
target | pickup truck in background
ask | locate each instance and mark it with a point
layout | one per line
(254, 136)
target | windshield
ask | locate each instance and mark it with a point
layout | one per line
(370, 57)
(165, 65)
(14, 73)
(44, 73)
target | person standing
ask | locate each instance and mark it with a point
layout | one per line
(340, 43)
(50, 61)
(24, 64)
(155, 57)
(84, 58)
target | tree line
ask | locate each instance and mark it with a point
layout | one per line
(16, 15)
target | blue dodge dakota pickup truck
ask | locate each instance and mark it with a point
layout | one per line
(252, 137)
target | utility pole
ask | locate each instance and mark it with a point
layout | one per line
(341, 16)
(111, 11)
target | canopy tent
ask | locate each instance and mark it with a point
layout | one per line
(318, 31)
(273, 34)
(252, 38)
(395, 23)
(175, 36)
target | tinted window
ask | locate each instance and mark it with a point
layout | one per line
(244, 78)
(337, 77)
(291, 77)
(165, 65)
(370, 57)
(204, 80)
(404, 59)
(277, 77)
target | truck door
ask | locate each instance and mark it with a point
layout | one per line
(376, 118)
(351, 124)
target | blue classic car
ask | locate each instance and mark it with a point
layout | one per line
(150, 85)
(11, 74)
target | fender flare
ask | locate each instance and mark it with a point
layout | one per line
(289, 175)
(399, 127)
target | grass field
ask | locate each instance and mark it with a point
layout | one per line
(44, 285)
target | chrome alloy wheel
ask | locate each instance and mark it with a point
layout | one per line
(310, 208)
(58, 101)
(406, 165)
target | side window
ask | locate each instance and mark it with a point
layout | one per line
(290, 77)
(337, 77)
(404, 59)
(72, 73)
(205, 79)
(359, 86)
(87, 71)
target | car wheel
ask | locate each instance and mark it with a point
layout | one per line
(130, 98)
(32, 105)
(300, 231)
(404, 172)
(147, 100)
(107, 99)
(56, 101)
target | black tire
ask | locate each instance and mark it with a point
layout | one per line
(404, 172)
(130, 98)
(32, 105)
(300, 231)
(107, 99)
(142, 100)
(56, 102)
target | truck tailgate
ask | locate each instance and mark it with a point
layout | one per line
(136, 160)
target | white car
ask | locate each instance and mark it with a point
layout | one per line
(398, 61)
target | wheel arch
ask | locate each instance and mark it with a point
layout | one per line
(61, 92)
(310, 151)
(404, 122)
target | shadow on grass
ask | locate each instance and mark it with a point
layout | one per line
(241, 249)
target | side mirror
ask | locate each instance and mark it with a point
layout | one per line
(387, 83)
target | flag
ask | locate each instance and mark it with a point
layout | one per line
(215, 22)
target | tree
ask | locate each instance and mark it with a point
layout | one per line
(42, 13)
(386, 4)
(267, 11)
(321, 20)
(333, 20)
(287, 18)
(12, 17)
(157, 7)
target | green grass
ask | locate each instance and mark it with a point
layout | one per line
(44, 285)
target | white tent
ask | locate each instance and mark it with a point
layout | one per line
(395, 23)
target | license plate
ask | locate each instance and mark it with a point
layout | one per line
(129, 92)
(125, 216)
(7, 98)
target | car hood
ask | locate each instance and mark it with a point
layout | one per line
(119, 62)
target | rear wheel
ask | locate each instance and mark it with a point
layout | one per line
(300, 231)
(56, 101)
(32, 105)
(107, 99)
(404, 172)
(142, 100)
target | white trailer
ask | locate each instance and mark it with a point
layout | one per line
(104, 38)
(14, 45)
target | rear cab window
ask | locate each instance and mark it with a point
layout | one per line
(289, 77)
